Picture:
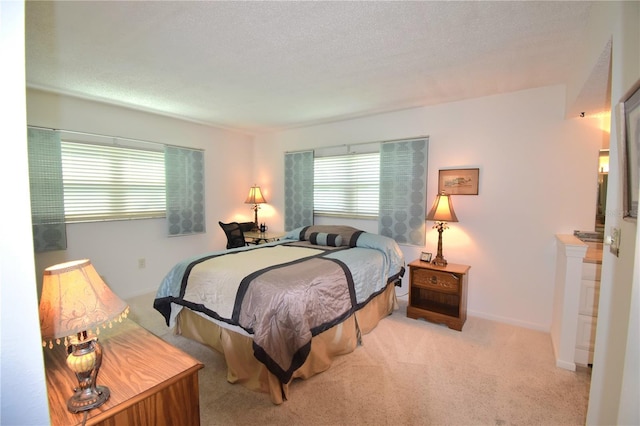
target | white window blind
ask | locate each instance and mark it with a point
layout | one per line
(347, 185)
(109, 182)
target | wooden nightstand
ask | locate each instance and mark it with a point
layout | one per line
(438, 293)
(151, 382)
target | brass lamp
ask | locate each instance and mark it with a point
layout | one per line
(441, 212)
(74, 301)
(255, 197)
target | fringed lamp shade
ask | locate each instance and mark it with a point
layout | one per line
(75, 299)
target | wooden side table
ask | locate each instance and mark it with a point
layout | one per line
(438, 293)
(151, 382)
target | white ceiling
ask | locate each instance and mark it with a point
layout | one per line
(259, 66)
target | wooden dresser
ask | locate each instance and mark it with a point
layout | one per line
(151, 382)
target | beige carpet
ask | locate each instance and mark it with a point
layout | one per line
(408, 372)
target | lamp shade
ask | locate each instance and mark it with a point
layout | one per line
(255, 196)
(442, 209)
(75, 299)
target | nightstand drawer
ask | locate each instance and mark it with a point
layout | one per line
(435, 280)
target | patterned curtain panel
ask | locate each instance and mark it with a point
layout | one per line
(184, 169)
(47, 190)
(298, 189)
(403, 191)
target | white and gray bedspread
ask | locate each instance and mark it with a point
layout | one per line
(284, 293)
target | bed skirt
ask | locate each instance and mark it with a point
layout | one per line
(245, 369)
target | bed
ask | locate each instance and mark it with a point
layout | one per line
(283, 310)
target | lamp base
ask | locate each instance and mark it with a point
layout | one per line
(439, 261)
(88, 398)
(85, 359)
(255, 218)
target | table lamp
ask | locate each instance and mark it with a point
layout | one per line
(255, 197)
(74, 301)
(441, 212)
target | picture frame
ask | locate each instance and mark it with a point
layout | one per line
(629, 110)
(459, 181)
(425, 257)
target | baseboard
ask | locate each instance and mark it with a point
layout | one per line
(532, 326)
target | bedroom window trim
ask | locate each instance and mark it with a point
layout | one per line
(150, 179)
(150, 174)
(402, 186)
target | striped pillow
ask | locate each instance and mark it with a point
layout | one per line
(324, 239)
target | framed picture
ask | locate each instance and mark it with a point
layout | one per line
(631, 137)
(425, 257)
(459, 181)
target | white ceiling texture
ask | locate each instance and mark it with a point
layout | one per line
(261, 66)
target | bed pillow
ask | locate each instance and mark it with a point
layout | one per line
(349, 234)
(324, 239)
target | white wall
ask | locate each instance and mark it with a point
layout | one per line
(115, 247)
(23, 395)
(538, 177)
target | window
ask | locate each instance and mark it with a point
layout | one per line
(109, 182)
(347, 185)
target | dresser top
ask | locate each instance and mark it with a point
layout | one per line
(134, 362)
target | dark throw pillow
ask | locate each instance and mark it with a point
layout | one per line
(324, 239)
